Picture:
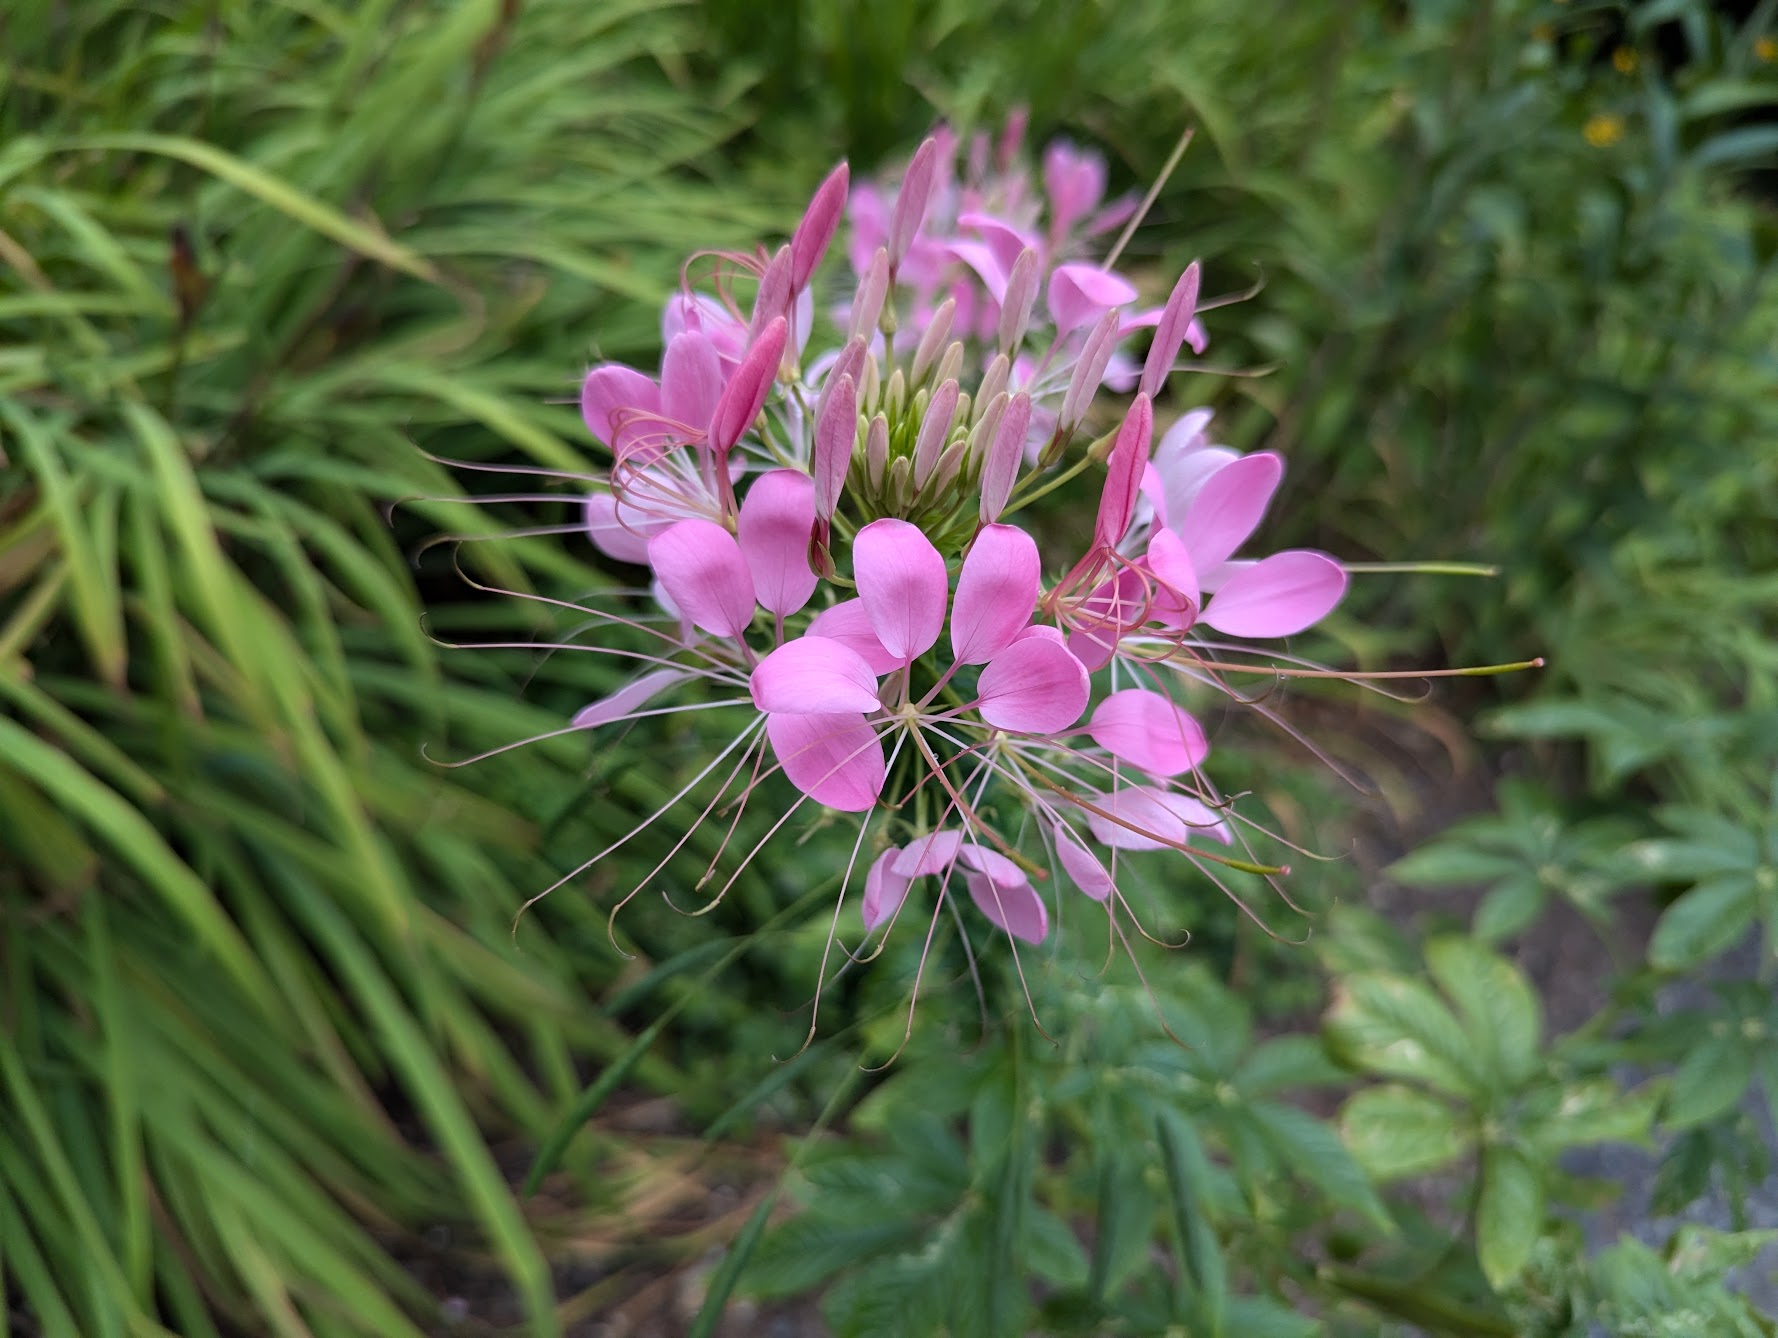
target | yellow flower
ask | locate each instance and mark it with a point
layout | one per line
(1623, 60)
(1766, 49)
(1602, 130)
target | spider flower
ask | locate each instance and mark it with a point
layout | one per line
(830, 521)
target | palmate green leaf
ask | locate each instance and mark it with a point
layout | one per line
(1396, 1026)
(1591, 1111)
(1710, 1081)
(1509, 1213)
(1397, 1131)
(1312, 1150)
(1707, 920)
(1498, 1006)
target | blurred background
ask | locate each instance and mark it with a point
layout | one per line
(274, 1056)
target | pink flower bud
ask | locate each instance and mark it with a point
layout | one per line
(1123, 474)
(1015, 306)
(912, 200)
(836, 433)
(867, 303)
(773, 299)
(1001, 469)
(1176, 319)
(1089, 372)
(849, 362)
(934, 429)
(809, 243)
(938, 329)
(745, 394)
(876, 450)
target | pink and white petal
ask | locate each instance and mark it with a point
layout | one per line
(1034, 686)
(628, 699)
(1277, 596)
(836, 760)
(704, 573)
(1149, 731)
(1003, 240)
(612, 397)
(848, 623)
(996, 866)
(609, 534)
(1018, 910)
(1078, 293)
(902, 582)
(996, 593)
(980, 258)
(1133, 818)
(691, 381)
(777, 517)
(1080, 864)
(1228, 508)
(813, 676)
(932, 853)
(1175, 596)
(884, 890)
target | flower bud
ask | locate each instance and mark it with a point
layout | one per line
(935, 429)
(1015, 306)
(1089, 371)
(912, 200)
(937, 331)
(745, 394)
(836, 433)
(993, 380)
(876, 451)
(1176, 319)
(1001, 469)
(867, 302)
(809, 243)
(950, 367)
(773, 298)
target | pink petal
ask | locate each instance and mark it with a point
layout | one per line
(627, 699)
(933, 853)
(1034, 686)
(813, 675)
(1151, 819)
(702, 314)
(1154, 491)
(1080, 864)
(980, 258)
(996, 593)
(1017, 910)
(609, 534)
(809, 243)
(1074, 180)
(612, 398)
(1176, 595)
(997, 867)
(1170, 333)
(745, 394)
(1003, 240)
(1078, 293)
(1228, 508)
(1184, 476)
(884, 890)
(772, 301)
(836, 760)
(935, 430)
(691, 381)
(1001, 469)
(848, 624)
(1123, 474)
(1277, 596)
(902, 581)
(777, 517)
(1147, 730)
(701, 566)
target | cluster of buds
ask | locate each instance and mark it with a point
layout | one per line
(830, 529)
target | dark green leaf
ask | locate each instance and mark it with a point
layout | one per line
(1704, 922)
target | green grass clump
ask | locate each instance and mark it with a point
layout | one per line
(261, 995)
